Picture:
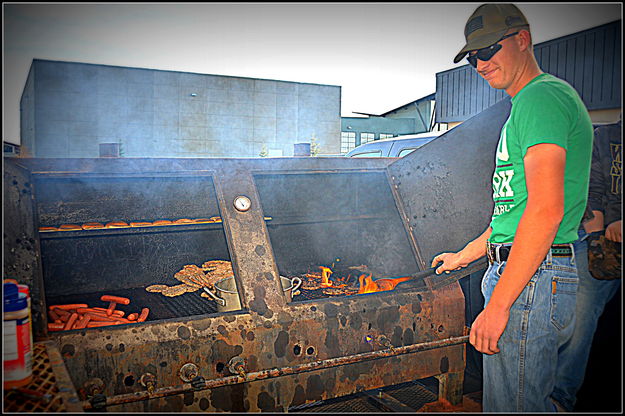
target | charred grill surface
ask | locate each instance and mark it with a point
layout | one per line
(322, 293)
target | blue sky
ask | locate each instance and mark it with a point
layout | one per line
(383, 55)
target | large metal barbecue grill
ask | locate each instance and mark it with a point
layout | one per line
(279, 349)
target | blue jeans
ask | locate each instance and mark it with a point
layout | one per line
(521, 377)
(592, 296)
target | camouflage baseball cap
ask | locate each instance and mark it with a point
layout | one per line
(488, 24)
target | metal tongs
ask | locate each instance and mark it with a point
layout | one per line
(444, 279)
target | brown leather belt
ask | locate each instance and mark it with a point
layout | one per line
(499, 253)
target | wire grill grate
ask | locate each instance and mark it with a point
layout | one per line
(43, 382)
(351, 404)
(307, 294)
(413, 394)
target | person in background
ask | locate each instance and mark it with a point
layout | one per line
(540, 189)
(604, 199)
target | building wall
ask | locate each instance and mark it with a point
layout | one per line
(10, 149)
(589, 60)
(377, 126)
(27, 116)
(409, 119)
(419, 111)
(155, 113)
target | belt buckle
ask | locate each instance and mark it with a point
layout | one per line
(561, 250)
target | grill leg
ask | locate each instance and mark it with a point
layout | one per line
(450, 387)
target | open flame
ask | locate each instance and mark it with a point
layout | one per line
(325, 276)
(366, 284)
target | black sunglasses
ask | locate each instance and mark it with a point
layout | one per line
(485, 54)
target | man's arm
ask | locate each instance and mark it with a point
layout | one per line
(600, 196)
(598, 183)
(544, 172)
(474, 250)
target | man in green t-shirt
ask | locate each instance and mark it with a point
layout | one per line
(540, 189)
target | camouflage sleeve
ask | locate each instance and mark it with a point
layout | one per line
(598, 184)
(613, 173)
(605, 188)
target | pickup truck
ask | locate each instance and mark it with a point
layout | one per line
(398, 146)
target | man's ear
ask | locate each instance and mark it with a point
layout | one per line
(524, 40)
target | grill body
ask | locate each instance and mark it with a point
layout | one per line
(304, 212)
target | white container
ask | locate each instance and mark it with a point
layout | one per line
(17, 355)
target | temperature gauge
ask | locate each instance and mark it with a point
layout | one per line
(242, 203)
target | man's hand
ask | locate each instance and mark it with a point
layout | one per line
(474, 250)
(614, 231)
(487, 329)
(451, 261)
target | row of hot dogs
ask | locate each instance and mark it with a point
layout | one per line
(124, 224)
(81, 316)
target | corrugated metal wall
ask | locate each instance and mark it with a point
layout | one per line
(590, 61)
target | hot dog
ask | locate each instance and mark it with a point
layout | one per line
(95, 324)
(111, 308)
(56, 326)
(82, 323)
(63, 315)
(133, 316)
(100, 311)
(69, 306)
(144, 315)
(116, 299)
(54, 316)
(100, 317)
(70, 321)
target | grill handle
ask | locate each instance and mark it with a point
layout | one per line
(296, 282)
(221, 301)
(444, 279)
(424, 273)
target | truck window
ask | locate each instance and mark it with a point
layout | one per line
(407, 151)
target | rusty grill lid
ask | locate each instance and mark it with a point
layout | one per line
(445, 187)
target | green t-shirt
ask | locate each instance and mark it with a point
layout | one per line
(546, 110)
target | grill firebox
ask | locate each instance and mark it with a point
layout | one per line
(271, 353)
